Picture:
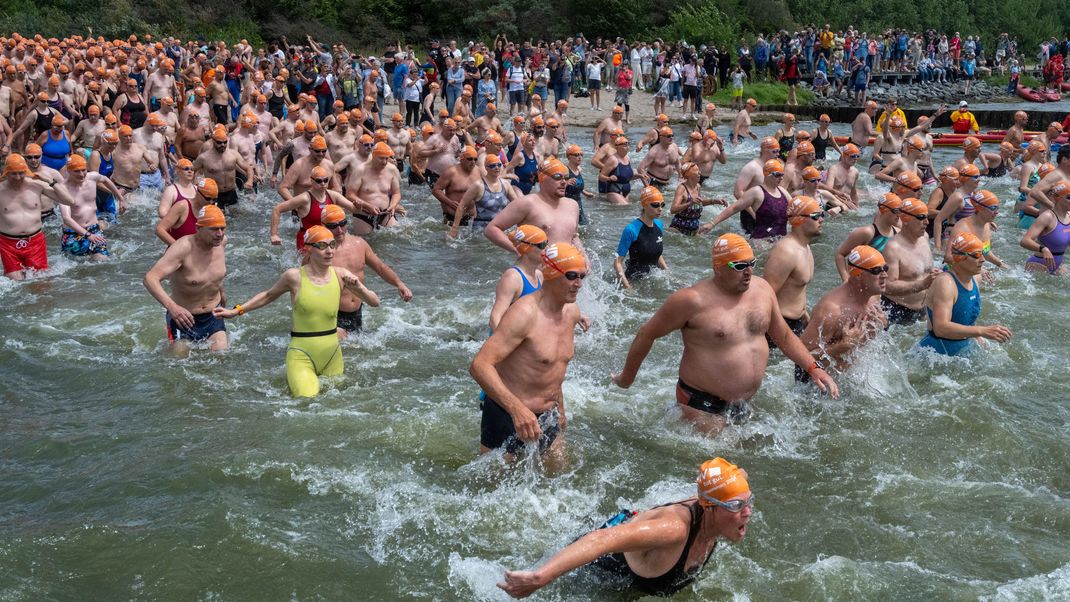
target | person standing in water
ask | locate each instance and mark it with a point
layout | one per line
(525, 277)
(640, 247)
(661, 550)
(522, 366)
(316, 292)
(954, 302)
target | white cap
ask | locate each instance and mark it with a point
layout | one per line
(962, 104)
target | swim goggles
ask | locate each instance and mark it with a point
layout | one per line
(739, 266)
(731, 505)
(875, 271)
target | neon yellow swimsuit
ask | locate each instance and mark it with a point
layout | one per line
(314, 348)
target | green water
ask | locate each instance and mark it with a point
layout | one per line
(128, 475)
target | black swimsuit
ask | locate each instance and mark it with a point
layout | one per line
(676, 578)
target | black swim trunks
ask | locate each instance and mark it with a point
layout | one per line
(496, 428)
(430, 177)
(375, 221)
(447, 218)
(658, 183)
(351, 321)
(899, 314)
(227, 198)
(204, 326)
(734, 412)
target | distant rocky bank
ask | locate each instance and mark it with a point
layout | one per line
(923, 93)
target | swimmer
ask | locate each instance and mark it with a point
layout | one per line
(101, 161)
(954, 302)
(802, 156)
(374, 188)
(82, 235)
(876, 235)
(196, 266)
(724, 320)
(972, 155)
(549, 209)
(985, 205)
(617, 173)
(354, 254)
(640, 246)
(687, 202)
(956, 208)
(522, 278)
(653, 135)
(822, 138)
(661, 161)
(1015, 135)
(603, 132)
(129, 159)
(909, 260)
(454, 182)
(705, 151)
(842, 176)
(1038, 193)
(672, 541)
(22, 243)
(308, 206)
(862, 126)
(315, 293)
(522, 366)
(1049, 236)
(1028, 176)
(181, 219)
(221, 163)
(298, 178)
(849, 315)
(790, 265)
(768, 202)
(905, 163)
(487, 196)
(741, 126)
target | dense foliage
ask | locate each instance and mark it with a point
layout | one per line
(368, 23)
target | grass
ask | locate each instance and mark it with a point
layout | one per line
(764, 93)
(1001, 81)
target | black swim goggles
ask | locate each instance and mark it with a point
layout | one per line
(732, 506)
(875, 271)
(323, 245)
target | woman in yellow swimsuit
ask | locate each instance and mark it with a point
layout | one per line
(315, 290)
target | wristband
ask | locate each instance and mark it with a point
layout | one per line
(812, 367)
(239, 309)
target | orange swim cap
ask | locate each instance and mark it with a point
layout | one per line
(156, 120)
(719, 481)
(573, 149)
(494, 138)
(76, 162)
(382, 149)
(971, 143)
(561, 258)
(126, 130)
(211, 216)
(730, 247)
(184, 162)
(110, 136)
(552, 167)
(397, 117)
(695, 136)
(249, 120)
(862, 258)
(427, 130)
(752, 102)
(94, 110)
(366, 139)
(802, 135)
(850, 149)
(319, 172)
(773, 166)
(518, 119)
(986, 199)
(1006, 146)
(525, 236)
(650, 195)
(491, 107)
(889, 202)
(801, 207)
(1035, 147)
(33, 149)
(969, 171)
(342, 119)
(208, 188)
(618, 109)
(810, 173)
(317, 234)
(770, 143)
(950, 173)
(219, 133)
(917, 142)
(914, 208)
(909, 179)
(332, 214)
(824, 118)
(1060, 189)
(806, 148)
(663, 117)
(310, 126)
(966, 243)
(15, 163)
(318, 143)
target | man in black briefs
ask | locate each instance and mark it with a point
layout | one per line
(724, 320)
(661, 550)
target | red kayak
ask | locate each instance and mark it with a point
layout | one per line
(1065, 86)
(1030, 94)
(1051, 95)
